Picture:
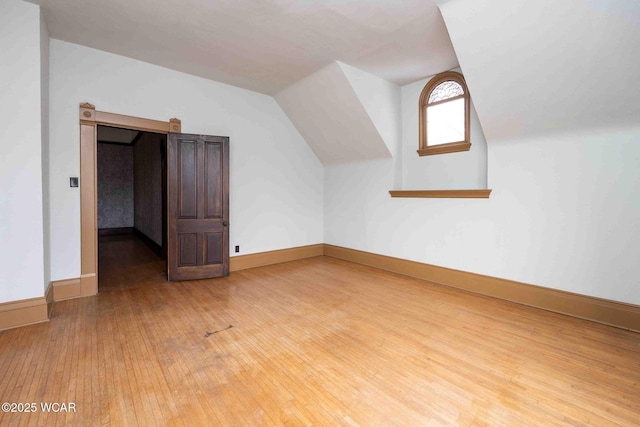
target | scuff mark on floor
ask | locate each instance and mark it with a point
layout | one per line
(208, 334)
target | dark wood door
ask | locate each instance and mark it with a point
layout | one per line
(198, 205)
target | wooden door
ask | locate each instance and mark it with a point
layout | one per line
(198, 205)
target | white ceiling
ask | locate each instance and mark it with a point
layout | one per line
(262, 45)
(334, 122)
(548, 66)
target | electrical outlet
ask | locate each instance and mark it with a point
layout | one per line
(237, 248)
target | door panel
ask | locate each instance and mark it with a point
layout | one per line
(213, 246)
(198, 206)
(213, 181)
(188, 249)
(187, 179)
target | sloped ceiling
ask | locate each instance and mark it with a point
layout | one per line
(547, 65)
(261, 45)
(382, 102)
(333, 119)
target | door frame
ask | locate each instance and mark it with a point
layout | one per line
(89, 121)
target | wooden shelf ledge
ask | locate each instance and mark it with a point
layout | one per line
(442, 194)
(451, 147)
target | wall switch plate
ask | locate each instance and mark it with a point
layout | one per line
(73, 181)
(237, 248)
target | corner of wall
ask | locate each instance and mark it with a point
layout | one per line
(332, 119)
(44, 95)
(21, 167)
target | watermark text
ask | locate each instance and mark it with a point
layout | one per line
(20, 407)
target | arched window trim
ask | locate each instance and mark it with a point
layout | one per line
(451, 147)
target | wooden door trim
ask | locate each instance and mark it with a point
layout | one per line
(89, 120)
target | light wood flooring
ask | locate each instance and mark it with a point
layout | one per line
(312, 342)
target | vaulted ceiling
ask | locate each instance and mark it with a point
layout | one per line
(548, 66)
(532, 67)
(344, 114)
(262, 45)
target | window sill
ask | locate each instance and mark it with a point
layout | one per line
(451, 147)
(442, 194)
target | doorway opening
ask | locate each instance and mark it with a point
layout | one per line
(90, 119)
(197, 198)
(131, 199)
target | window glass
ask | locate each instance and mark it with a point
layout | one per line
(445, 90)
(445, 122)
(443, 125)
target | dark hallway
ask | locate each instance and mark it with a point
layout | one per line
(125, 261)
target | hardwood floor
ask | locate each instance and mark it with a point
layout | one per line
(318, 341)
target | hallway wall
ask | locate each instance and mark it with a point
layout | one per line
(148, 186)
(115, 186)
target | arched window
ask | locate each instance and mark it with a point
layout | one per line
(444, 115)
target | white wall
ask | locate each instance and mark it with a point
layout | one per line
(44, 108)
(564, 208)
(563, 214)
(21, 228)
(452, 171)
(275, 179)
(557, 96)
